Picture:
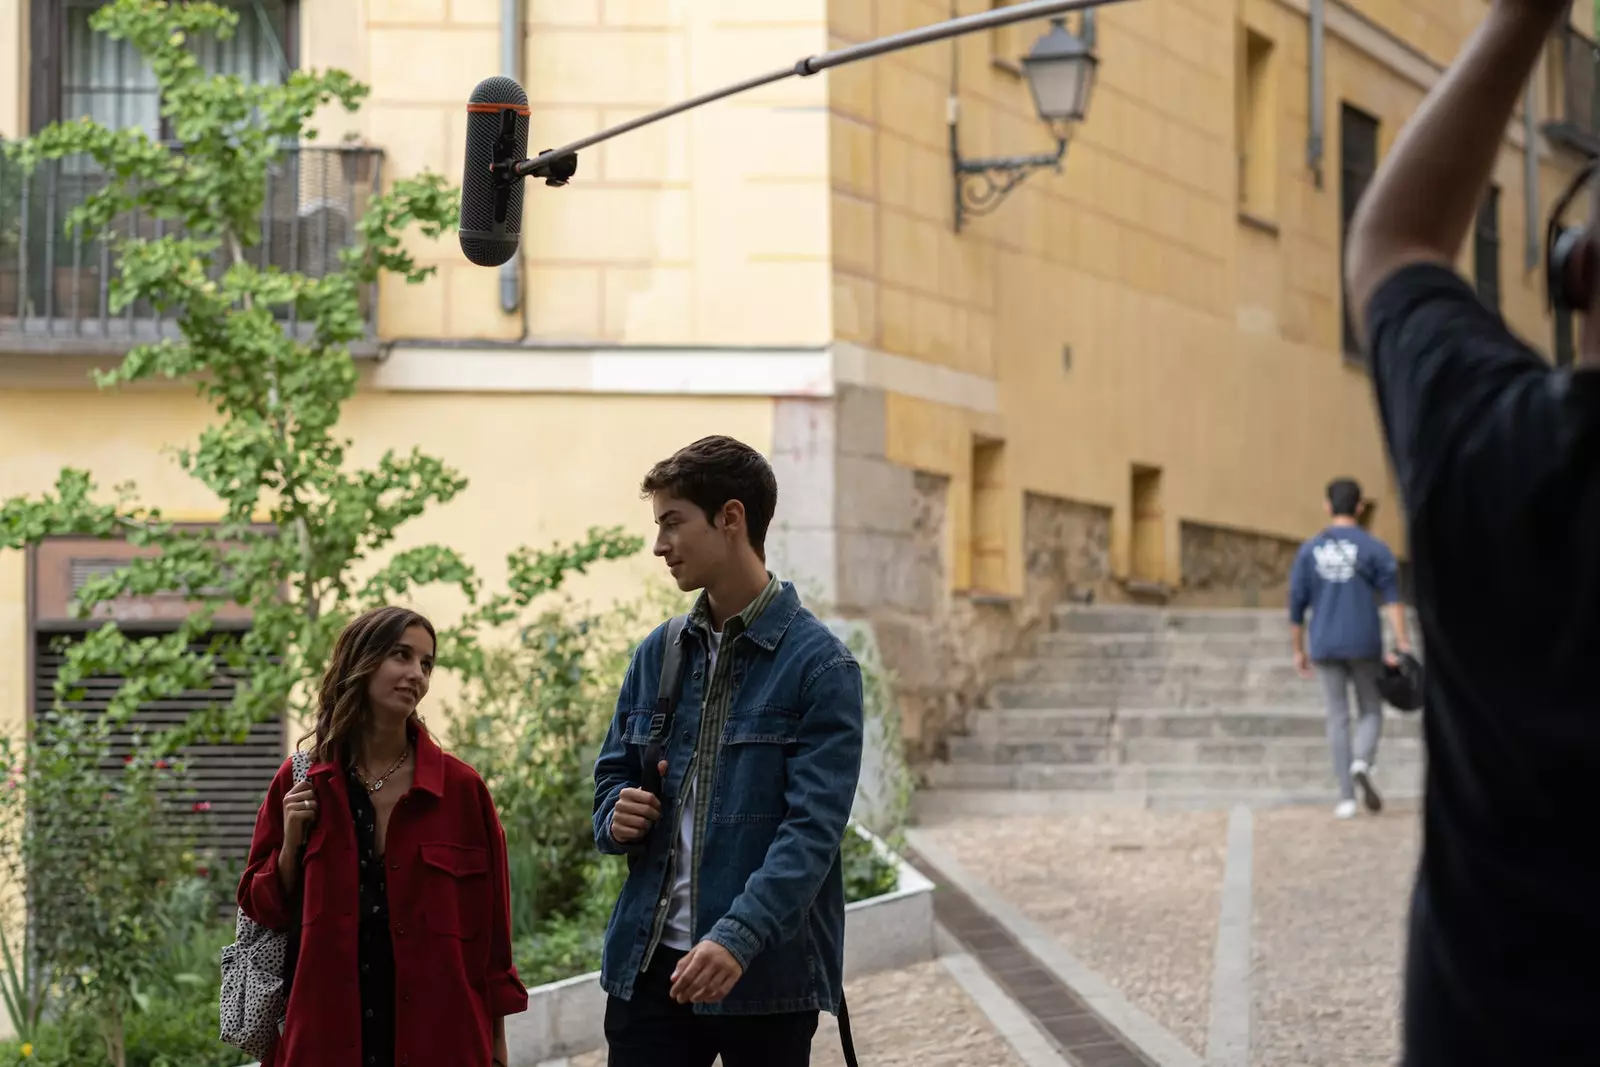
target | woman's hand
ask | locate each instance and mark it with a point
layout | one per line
(299, 816)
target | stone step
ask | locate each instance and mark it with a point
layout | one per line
(1110, 751)
(1076, 618)
(1198, 778)
(930, 806)
(1199, 648)
(1301, 693)
(1025, 724)
(1276, 673)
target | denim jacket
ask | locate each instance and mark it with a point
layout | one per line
(769, 886)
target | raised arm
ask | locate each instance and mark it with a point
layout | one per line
(617, 767)
(262, 895)
(1425, 196)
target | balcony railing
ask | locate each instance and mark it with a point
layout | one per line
(55, 286)
(1574, 121)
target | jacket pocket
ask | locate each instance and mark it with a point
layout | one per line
(455, 881)
(752, 775)
(636, 729)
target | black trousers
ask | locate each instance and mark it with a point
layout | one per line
(653, 1030)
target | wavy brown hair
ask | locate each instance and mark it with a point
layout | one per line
(342, 705)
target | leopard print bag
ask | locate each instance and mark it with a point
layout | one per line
(253, 1003)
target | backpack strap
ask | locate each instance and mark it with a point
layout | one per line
(666, 704)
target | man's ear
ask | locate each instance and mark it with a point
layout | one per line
(732, 515)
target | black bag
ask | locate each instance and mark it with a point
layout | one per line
(1401, 687)
(655, 750)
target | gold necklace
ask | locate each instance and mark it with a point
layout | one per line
(373, 787)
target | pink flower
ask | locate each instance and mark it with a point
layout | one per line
(127, 760)
(202, 805)
(202, 872)
(162, 765)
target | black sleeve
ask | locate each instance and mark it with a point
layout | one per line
(1475, 421)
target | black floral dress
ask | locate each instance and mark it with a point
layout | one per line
(375, 954)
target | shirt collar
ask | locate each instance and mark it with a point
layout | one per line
(700, 614)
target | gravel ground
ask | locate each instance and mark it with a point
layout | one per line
(1331, 900)
(1134, 895)
(918, 1017)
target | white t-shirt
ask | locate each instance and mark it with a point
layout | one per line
(677, 933)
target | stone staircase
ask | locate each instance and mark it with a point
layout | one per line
(1153, 707)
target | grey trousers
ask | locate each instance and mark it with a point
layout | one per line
(1338, 675)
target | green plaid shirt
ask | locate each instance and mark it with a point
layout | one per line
(714, 708)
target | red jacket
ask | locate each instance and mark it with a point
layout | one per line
(450, 918)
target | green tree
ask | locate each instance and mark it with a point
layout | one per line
(299, 524)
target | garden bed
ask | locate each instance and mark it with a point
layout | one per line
(883, 932)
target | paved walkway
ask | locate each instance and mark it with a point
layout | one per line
(918, 1017)
(1270, 938)
(1278, 945)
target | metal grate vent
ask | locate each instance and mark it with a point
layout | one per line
(232, 778)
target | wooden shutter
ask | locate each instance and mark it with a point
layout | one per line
(231, 779)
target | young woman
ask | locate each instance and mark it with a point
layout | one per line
(396, 857)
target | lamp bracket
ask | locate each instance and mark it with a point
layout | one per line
(981, 185)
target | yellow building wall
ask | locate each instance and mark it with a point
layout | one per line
(709, 228)
(1202, 344)
(543, 469)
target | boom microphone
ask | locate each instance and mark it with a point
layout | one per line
(491, 192)
(491, 208)
(497, 126)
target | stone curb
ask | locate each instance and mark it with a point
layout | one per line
(1152, 1040)
(1228, 1038)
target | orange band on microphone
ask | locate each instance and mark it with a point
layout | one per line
(495, 109)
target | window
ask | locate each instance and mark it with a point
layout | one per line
(1256, 130)
(1486, 249)
(1358, 159)
(80, 73)
(1005, 41)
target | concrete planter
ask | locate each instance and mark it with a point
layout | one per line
(883, 933)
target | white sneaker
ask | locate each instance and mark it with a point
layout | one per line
(1362, 773)
(1345, 810)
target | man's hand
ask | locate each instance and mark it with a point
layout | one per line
(636, 812)
(1302, 663)
(705, 975)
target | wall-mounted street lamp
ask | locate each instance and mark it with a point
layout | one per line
(1060, 71)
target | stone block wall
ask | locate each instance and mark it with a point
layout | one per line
(1233, 568)
(947, 649)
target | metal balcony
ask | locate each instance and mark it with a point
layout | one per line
(1575, 119)
(55, 286)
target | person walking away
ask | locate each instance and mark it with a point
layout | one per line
(398, 861)
(728, 936)
(1342, 575)
(1497, 456)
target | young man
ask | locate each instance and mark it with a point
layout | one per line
(1342, 574)
(729, 935)
(1498, 459)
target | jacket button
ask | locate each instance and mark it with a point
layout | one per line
(401, 930)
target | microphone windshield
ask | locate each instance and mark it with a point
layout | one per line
(491, 204)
